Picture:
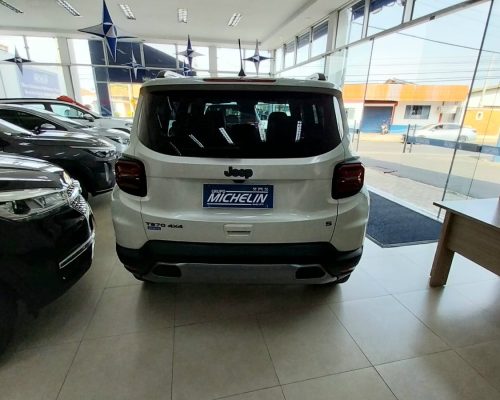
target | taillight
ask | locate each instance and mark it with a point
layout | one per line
(131, 176)
(348, 180)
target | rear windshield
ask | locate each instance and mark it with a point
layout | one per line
(239, 124)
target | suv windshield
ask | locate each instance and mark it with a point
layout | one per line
(241, 124)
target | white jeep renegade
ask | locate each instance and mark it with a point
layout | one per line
(240, 179)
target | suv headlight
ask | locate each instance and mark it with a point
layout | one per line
(67, 179)
(31, 203)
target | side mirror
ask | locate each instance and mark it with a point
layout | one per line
(45, 127)
(88, 117)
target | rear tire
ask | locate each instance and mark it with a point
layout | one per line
(8, 315)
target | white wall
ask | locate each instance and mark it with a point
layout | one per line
(488, 98)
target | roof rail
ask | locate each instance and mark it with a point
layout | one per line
(317, 77)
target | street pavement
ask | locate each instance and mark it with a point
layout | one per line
(419, 176)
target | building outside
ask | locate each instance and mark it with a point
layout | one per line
(401, 104)
(483, 112)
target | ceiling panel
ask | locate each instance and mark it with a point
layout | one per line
(265, 20)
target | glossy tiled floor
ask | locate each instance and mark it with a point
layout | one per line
(382, 335)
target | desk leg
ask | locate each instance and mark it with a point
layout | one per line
(444, 256)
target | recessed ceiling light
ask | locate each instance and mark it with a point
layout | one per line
(235, 19)
(68, 7)
(10, 7)
(182, 15)
(127, 11)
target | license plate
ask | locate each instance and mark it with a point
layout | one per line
(238, 196)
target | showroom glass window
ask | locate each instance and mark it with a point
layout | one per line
(97, 56)
(160, 55)
(319, 36)
(79, 51)
(482, 115)
(85, 88)
(278, 60)
(305, 70)
(385, 14)
(43, 49)
(350, 25)
(228, 60)
(424, 7)
(124, 51)
(303, 47)
(289, 54)
(12, 43)
(336, 67)
(200, 62)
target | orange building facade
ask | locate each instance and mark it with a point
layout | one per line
(401, 104)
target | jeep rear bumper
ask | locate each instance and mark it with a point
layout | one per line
(167, 261)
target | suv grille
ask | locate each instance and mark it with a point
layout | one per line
(75, 199)
(79, 204)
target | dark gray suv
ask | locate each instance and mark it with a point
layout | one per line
(40, 121)
(88, 159)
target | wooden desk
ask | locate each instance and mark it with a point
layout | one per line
(472, 229)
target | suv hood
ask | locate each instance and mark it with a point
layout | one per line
(50, 138)
(108, 132)
(20, 173)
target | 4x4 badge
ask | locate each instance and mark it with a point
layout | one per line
(245, 173)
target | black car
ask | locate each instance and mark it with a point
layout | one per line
(47, 233)
(86, 158)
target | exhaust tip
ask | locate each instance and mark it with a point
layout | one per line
(309, 273)
(167, 271)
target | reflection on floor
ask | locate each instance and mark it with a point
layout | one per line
(383, 335)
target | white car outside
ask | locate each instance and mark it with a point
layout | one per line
(200, 196)
(447, 131)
